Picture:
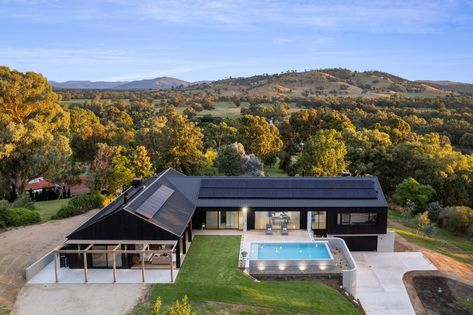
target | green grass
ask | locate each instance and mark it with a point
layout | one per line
(210, 274)
(49, 208)
(444, 242)
(466, 304)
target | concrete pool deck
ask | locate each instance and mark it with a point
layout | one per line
(380, 287)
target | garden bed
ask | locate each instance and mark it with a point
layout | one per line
(436, 293)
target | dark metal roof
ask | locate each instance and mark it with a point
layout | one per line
(172, 215)
(169, 199)
(281, 192)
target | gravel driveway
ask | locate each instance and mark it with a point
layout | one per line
(22, 246)
(83, 299)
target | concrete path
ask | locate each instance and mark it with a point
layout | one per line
(379, 280)
(60, 299)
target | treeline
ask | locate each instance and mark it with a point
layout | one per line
(114, 136)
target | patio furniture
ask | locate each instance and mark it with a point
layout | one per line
(269, 229)
(284, 230)
(160, 259)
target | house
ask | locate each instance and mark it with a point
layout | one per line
(156, 217)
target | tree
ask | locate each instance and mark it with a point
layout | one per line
(142, 165)
(102, 166)
(366, 150)
(398, 129)
(218, 135)
(467, 140)
(120, 174)
(324, 154)
(412, 190)
(230, 159)
(174, 141)
(259, 137)
(252, 166)
(33, 136)
(233, 161)
(458, 219)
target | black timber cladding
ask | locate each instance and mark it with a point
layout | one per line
(236, 188)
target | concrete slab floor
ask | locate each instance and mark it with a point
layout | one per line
(379, 280)
(76, 276)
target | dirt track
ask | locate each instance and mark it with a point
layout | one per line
(442, 262)
(22, 246)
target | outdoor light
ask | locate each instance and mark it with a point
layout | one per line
(282, 267)
(323, 267)
(302, 267)
(245, 209)
(261, 267)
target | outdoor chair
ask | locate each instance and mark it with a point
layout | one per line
(269, 229)
(284, 230)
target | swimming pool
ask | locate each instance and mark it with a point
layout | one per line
(291, 251)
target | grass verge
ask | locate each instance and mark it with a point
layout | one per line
(443, 242)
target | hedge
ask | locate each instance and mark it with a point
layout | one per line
(20, 216)
(78, 205)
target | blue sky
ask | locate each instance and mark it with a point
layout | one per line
(207, 40)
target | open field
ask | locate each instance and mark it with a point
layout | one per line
(211, 280)
(49, 208)
(22, 246)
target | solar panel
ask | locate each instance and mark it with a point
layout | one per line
(281, 193)
(155, 201)
(287, 183)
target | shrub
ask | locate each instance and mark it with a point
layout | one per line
(409, 209)
(21, 216)
(434, 209)
(78, 205)
(429, 230)
(183, 308)
(412, 190)
(421, 220)
(23, 201)
(457, 219)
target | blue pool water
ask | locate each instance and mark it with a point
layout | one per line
(290, 251)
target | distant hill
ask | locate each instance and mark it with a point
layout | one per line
(152, 84)
(325, 82)
(85, 85)
(451, 86)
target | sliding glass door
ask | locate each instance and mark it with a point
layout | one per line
(222, 220)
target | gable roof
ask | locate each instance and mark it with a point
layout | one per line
(169, 199)
(172, 216)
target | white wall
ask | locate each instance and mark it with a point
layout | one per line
(386, 242)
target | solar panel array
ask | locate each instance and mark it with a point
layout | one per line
(239, 188)
(153, 202)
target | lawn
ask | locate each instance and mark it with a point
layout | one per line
(213, 283)
(49, 208)
(444, 242)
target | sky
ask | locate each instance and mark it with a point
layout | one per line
(117, 40)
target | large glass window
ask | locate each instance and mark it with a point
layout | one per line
(222, 219)
(277, 219)
(357, 218)
(105, 259)
(319, 220)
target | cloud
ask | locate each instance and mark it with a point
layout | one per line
(332, 15)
